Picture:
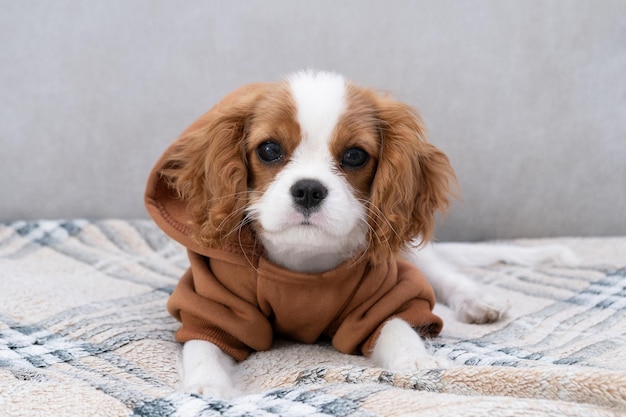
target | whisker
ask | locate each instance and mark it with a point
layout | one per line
(246, 220)
(229, 196)
(363, 252)
(236, 212)
(376, 215)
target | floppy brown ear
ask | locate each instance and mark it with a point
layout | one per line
(206, 166)
(412, 182)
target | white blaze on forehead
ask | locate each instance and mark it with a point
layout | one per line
(320, 101)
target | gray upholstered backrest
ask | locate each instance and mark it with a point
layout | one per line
(528, 98)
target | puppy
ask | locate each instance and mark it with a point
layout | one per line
(301, 204)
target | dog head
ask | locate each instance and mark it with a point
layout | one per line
(321, 168)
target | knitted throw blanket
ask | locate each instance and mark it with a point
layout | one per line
(84, 332)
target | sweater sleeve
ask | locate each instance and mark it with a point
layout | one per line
(416, 310)
(403, 293)
(418, 314)
(209, 311)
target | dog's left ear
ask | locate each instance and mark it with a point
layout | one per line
(199, 186)
(413, 181)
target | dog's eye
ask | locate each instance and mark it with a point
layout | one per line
(354, 158)
(270, 152)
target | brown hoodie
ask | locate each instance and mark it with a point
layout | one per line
(237, 299)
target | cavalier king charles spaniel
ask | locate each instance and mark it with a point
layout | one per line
(306, 175)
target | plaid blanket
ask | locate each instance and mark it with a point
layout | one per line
(84, 331)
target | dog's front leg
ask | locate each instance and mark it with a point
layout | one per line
(400, 348)
(207, 370)
(472, 302)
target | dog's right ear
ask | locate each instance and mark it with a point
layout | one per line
(414, 180)
(205, 169)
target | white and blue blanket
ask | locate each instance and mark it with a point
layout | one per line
(84, 332)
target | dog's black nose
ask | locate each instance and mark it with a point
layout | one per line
(308, 194)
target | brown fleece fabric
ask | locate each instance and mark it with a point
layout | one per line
(237, 299)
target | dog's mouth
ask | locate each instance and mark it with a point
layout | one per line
(304, 228)
(309, 219)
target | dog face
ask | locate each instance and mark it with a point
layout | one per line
(311, 172)
(321, 168)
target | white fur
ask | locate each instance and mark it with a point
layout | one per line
(472, 302)
(320, 99)
(316, 242)
(322, 239)
(207, 370)
(399, 348)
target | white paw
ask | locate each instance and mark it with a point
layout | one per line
(399, 348)
(414, 362)
(479, 308)
(211, 389)
(434, 362)
(561, 256)
(206, 370)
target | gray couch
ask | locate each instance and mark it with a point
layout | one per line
(528, 98)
